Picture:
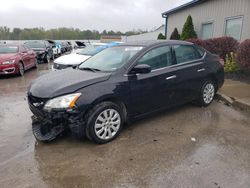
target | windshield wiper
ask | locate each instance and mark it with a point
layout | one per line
(89, 69)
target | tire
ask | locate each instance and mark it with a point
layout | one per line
(20, 69)
(36, 64)
(104, 122)
(47, 58)
(207, 93)
(52, 56)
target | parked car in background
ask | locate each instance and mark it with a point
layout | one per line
(77, 58)
(69, 46)
(16, 59)
(42, 48)
(54, 48)
(64, 46)
(79, 45)
(59, 49)
(120, 84)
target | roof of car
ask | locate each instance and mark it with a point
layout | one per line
(155, 42)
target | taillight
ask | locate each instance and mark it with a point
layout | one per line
(222, 62)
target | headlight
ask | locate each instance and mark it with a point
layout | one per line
(8, 62)
(63, 102)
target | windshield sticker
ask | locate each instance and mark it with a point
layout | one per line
(133, 48)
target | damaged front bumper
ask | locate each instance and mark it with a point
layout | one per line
(47, 126)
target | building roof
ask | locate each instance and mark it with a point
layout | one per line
(182, 7)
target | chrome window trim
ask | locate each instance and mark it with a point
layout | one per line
(175, 65)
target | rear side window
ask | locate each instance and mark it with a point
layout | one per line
(186, 53)
(200, 50)
(157, 58)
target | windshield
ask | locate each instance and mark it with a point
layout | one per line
(90, 50)
(8, 49)
(35, 44)
(111, 59)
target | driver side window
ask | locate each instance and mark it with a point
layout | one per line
(157, 58)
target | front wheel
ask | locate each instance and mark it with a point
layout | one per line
(207, 93)
(104, 122)
(47, 58)
(20, 69)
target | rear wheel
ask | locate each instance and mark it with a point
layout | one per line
(207, 93)
(20, 69)
(104, 122)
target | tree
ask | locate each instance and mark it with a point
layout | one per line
(161, 37)
(175, 35)
(188, 31)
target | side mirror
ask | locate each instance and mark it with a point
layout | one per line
(141, 69)
(74, 66)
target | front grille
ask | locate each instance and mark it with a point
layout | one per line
(60, 66)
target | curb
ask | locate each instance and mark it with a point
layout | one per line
(234, 102)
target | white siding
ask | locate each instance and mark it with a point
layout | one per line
(145, 36)
(216, 11)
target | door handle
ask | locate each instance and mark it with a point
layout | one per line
(171, 77)
(201, 70)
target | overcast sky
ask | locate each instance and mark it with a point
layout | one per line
(118, 15)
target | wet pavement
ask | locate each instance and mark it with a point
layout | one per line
(184, 147)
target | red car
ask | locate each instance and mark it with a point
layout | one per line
(15, 59)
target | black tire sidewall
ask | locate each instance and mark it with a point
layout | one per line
(47, 58)
(201, 100)
(19, 72)
(90, 127)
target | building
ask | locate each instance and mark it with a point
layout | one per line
(153, 35)
(110, 38)
(212, 18)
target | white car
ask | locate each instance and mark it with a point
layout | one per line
(76, 58)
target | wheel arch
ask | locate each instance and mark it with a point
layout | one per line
(116, 100)
(214, 79)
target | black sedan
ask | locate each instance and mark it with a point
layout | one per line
(120, 84)
(42, 48)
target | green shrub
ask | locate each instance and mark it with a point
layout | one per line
(243, 55)
(231, 65)
(188, 31)
(161, 37)
(175, 35)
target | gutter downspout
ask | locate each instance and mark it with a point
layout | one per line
(166, 24)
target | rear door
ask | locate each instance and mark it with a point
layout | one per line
(154, 90)
(190, 71)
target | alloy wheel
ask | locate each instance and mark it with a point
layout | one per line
(21, 69)
(107, 124)
(208, 93)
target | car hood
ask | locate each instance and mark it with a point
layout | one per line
(72, 59)
(4, 57)
(63, 82)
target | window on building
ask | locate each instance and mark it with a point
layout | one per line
(233, 27)
(157, 58)
(186, 53)
(207, 30)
